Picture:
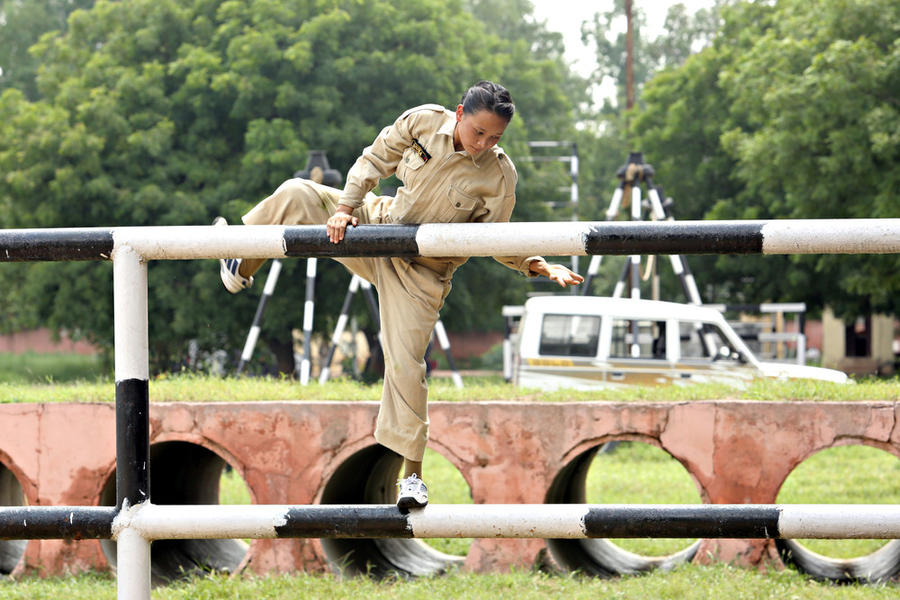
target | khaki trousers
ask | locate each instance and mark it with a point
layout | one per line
(410, 295)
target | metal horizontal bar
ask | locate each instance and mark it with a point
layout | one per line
(558, 238)
(56, 522)
(549, 521)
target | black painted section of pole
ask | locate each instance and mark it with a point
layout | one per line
(372, 303)
(370, 240)
(676, 238)
(132, 442)
(56, 522)
(22, 245)
(324, 521)
(725, 522)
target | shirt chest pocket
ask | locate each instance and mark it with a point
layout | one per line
(410, 166)
(460, 206)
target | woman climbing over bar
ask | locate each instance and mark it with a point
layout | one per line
(452, 172)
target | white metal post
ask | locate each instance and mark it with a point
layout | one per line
(132, 417)
(133, 566)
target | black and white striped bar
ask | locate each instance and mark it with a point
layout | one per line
(800, 236)
(549, 521)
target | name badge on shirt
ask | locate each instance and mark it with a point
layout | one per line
(420, 150)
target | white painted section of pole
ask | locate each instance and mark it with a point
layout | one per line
(252, 337)
(812, 236)
(559, 238)
(655, 205)
(308, 309)
(499, 521)
(204, 241)
(693, 291)
(272, 278)
(339, 329)
(130, 315)
(614, 204)
(635, 278)
(840, 521)
(636, 203)
(444, 341)
(677, 268)
(219, 521)
(132, 565)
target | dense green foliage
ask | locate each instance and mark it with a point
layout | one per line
(792, 112)
(164, 113)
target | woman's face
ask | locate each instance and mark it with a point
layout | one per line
(478, 131)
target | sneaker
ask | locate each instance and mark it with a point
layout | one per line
(228, 268)
(413, 493)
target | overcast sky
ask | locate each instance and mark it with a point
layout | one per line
(566, 16)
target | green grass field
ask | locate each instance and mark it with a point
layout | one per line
(31, 367)
(633, 473)
(718, 582)
(189, 387)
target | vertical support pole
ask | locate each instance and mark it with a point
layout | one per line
(308, 308)
(132, 416)
(325, 373)
(253, 334)
(573, 173)
(444, 341)
(133, 566)
(635, 268)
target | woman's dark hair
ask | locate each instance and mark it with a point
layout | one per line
(487, 95)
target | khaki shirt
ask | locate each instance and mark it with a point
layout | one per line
(440, 184)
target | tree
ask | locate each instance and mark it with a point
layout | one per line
(166, 113)
(788, 114)
(21, 25)
(684, 34)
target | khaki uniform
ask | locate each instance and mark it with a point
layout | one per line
(441, 185)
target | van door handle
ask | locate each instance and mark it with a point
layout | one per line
(617, 375)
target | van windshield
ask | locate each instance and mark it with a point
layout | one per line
(569, 335)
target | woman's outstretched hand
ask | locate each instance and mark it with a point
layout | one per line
(336, 225)
(558, 273)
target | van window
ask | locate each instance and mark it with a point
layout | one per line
(569, 335)
(651, 339)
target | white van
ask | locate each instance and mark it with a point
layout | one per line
(591, 342)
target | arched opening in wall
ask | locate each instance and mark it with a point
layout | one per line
(186, 473)
(626, 472)
(369, 477)
(853, 474)
(11, 494)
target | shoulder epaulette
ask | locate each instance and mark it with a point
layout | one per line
(423, 107)
(507, 168)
